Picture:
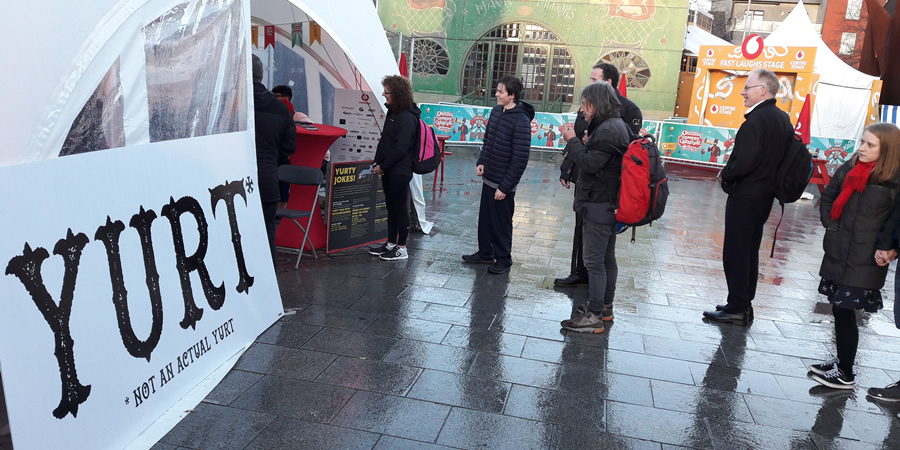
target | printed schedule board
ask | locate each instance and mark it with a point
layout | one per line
(358, 215)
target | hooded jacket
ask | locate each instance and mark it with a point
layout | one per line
(599, 161)
(396, 146)
(507, 144)
(759, 148)
(276, 140)
(630, 114)
(864, 226)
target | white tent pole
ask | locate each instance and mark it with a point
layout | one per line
(399, 47)
(412, 54)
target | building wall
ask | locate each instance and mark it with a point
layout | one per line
(836, 24)
(773, 14)
(652, 29)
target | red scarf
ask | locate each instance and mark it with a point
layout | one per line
(854, 182)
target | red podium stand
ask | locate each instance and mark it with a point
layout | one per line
(311, 149)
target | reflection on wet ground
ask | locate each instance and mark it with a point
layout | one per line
(432, 353)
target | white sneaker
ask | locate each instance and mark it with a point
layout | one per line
(395, 254)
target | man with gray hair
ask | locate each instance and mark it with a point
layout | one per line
(749, 180)
(276, 139)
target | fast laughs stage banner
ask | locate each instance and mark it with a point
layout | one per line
(465, 124)
(138, 264)
(711, 146)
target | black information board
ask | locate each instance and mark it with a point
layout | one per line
(357, 215)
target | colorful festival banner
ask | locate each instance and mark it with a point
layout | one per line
(270, 36)
(296, 34)
(315, 33)
(254, 36)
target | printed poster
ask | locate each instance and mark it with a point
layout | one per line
(363, 118)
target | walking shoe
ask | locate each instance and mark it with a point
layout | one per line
(584, 323)
(834, 378)
(726, 317)
(749, 311)
(383, 248)
(499, 267)
(889, 393)
(395, 254)
(607, 313)
(572, 280)
(823, 367)
(476, 258)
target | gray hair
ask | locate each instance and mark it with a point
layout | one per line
(767, 78)
(602, 97)
(257, 69)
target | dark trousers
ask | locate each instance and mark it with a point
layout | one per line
(846, 337)
(600, 259)
(577, 248)
(744, 222)
(396, 199)
(495, 225)
(269, 209)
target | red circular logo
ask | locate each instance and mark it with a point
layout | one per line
(365, 97)
(709, 53)
(752, 46)
(800, 54)
(714, 109)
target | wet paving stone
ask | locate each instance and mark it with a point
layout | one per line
(434, 353)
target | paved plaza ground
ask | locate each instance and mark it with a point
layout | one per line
(433, 353)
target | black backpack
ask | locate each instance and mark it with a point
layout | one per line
(792, 177)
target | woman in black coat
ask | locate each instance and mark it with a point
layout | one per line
(854, 210)
(393, 161)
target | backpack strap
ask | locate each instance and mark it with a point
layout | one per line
(775, 235)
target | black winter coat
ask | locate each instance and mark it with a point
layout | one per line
(599, 161)
(395, 148)
(276, 140)
(850, 242)
(507, 144)
(759, 148)
(630, 114)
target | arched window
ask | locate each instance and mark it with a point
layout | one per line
(635, 68)
(526, 50)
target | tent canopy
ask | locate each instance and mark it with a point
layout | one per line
(695, 36)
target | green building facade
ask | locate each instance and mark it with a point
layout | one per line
(461, 47)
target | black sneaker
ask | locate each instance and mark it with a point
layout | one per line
(834, 378)
(823, 367)
(888, 394)
(607, 313)
(498, 267)
(377, 251)
(395, 254)
(476, 258)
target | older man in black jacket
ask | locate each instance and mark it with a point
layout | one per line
(631, 115)
(749, 180)
(276, 139)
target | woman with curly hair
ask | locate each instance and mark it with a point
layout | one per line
(393, 161)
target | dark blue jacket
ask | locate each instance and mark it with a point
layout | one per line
(507, 143)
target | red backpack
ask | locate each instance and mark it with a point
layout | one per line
(644, 187)
(427, 153)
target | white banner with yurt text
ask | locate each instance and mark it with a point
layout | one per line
(134, 252)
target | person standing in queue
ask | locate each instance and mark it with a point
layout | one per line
(749, 180)
(276, 140)
(568, 176)
(599, 162)
(393, 161)
(504, 157)
(859, 244)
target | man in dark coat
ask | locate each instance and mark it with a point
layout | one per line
(504, 157)
(631, 115)
(749, 180)
(276, 138)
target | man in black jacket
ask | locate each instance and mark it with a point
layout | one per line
(276, 138)
(749, 180)
(632, 116)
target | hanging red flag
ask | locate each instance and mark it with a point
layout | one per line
(623, 89)
(270, 36)
(802, 127)
(404, 70)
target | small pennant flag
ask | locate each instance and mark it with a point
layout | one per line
(254, 36)
(623, 88)
(404, 70)
(296, 34)
(315, 33)
(802, 127)
(270, 36)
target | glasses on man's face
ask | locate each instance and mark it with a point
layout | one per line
(747, 88)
